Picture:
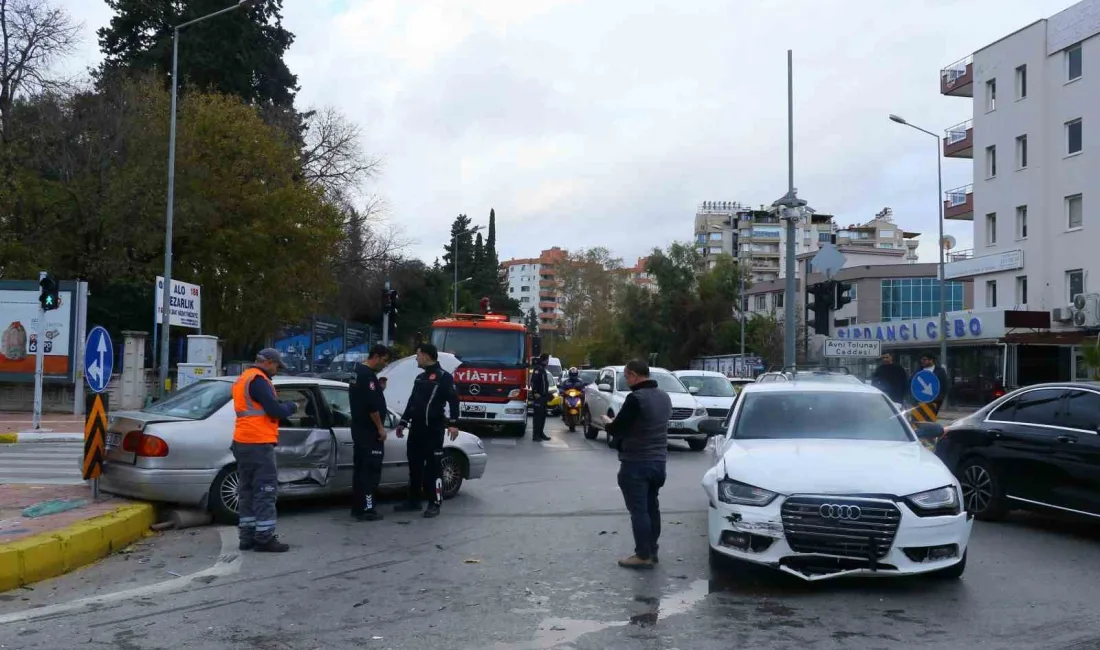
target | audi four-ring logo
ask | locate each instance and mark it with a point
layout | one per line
(475, 389)
(835, 511)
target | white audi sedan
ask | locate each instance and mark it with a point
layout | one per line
(822, 480)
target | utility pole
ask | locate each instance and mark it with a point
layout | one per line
(791, 209)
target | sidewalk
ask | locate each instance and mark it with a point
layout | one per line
(60, 427)
(34, 548)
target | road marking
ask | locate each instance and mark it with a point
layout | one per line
(506, 443)
(229, 562)
(556, 443)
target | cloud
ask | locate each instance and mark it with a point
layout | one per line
(603, 123)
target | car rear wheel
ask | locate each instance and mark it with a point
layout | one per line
(590, 431)
(223, 497)
(697, 445)
(453, 469)
(983, 494)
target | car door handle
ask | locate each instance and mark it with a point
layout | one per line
(1067, 439)
(996, 433)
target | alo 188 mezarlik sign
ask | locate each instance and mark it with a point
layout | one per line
(185, 303)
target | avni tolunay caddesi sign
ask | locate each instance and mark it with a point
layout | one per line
(185, 302)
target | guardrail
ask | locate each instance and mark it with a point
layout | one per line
(954, 71)
(957, 196)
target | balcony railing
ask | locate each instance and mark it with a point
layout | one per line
(957, 79)
(958, 256)
(959, 203)
(958, 141)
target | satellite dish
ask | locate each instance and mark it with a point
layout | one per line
(948, 242)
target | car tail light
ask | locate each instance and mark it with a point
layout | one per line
(152, 447)
(998, 393)
(131, 442)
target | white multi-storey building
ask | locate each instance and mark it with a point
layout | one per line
(1036, 213)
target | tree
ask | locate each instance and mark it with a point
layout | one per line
(239, 53)
(589, 282)
(332, 156)
(531, 321)
(33, 36)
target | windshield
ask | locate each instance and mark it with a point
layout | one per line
(665, 381)
(487, 348)
(827, 376)
(554, 370)
(196, 402)
(708, 386)
(820, 415)
(588, 376)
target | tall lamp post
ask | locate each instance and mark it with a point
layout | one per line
(939, 204)
(454, 254)
(166, 308)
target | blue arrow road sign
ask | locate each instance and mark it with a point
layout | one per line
(99, 359)
(924, 386)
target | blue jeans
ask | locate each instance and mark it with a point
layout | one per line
(641, 481)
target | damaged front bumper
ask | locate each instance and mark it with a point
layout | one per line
(921, 544)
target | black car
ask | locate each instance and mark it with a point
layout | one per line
(1036, 448)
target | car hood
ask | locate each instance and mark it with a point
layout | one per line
(714, 402)
(835, 466)
(683, 400)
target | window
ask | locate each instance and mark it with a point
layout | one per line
(1083, 411)
(1073, 137)
(716, 236)
(1021, 222)
(991, 95)
(1075, 216)
(1021, 152)
(779, 301)
(991, 293)
(824, 238)
(1021, 289)
(1021, 82)
(339, 402)
(761, 302)
(525, 288)
(700, 238)
(306, 415)
(195, 402)
(1073, 63)
(991, 228)
(991, 161)
(909, 298)
(1075, 283)
(1038, 407)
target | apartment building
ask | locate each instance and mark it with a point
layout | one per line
(533, 283)
(881, 233)
(716, 229)
(1036, 216)
(762, 242)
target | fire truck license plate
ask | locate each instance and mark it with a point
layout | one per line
(474, 409)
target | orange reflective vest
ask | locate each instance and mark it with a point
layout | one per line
(253, 425)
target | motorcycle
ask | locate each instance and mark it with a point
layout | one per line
(572, 403)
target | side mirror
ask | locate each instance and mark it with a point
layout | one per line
(712, 428)
(604, 388)
(929, 431)
(694, 390)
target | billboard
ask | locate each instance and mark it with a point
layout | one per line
(18, 332)
(357, 337)
(328, 341)
(185, 303)
(295, 342)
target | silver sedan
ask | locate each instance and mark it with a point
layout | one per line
(177, 450)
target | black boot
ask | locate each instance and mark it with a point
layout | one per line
(432, 511)
(272, 545)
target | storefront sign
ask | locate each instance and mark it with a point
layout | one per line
(1006, 261)
(960, 326)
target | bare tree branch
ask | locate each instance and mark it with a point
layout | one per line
(333, 157)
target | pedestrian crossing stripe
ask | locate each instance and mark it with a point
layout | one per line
(95, 430)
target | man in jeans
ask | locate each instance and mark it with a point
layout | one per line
(640, 433)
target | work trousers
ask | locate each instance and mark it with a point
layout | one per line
(641, 481)
(539, 412)
(367, 473)
(425, 451)
(256, 491)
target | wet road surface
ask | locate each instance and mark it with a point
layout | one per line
(524, 559)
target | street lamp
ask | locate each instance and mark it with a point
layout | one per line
(166, 309)
(454, 254)
(939, 205)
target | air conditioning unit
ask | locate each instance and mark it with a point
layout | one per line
(1062, 314)
(1086, 310)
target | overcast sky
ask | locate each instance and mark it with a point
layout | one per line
(604, 122)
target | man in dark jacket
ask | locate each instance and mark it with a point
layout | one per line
(540, 396)
(891, 379)
(368, 432)
(928, 362)
(433, 390)
(640, 433)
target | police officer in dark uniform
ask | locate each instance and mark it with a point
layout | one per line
(368, 432)
(540, 396)
(433, 390)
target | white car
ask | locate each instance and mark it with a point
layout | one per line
(822, 479)
(606, 396)
(712, 390)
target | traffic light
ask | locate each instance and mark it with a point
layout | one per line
(389, 301)
(843, 294)
(393, 301)
(48, 297)
(822, 294)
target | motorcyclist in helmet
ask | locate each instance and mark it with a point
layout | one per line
(572, 380)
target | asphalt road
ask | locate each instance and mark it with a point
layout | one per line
(525, 560)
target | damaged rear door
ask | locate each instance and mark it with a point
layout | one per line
(306, 453)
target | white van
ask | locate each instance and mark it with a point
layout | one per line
(553, 366)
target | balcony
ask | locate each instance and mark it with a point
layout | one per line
(959, 141)
(959, 203)
(548, 304)
(548, 284)
(957, 79)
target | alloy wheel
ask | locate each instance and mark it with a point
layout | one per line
(977, 488)
(452, 473)
(229, 495)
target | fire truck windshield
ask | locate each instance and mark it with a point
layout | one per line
(488, 348)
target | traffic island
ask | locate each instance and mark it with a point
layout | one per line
(49, 530)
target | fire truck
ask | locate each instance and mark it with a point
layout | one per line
(493, 378)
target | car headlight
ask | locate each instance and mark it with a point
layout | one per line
(935, 503)
(480, 444)
(742, 494)
(699, 410)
